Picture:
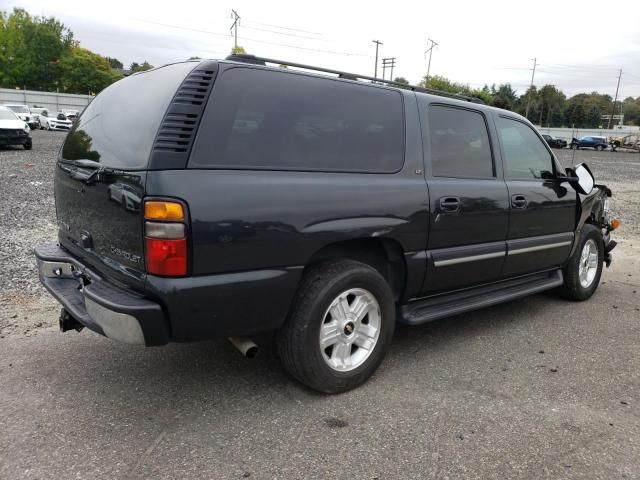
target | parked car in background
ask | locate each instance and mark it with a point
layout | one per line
(554, 142)
(24, 114)
(629, 142)
(72, 114)
(13, 130)
(590, 141)
(125, 195)
(42, 116)
(59, 121)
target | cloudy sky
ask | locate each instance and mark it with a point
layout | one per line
(579, 46)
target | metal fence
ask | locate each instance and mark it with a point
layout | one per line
(570, 133)
(53, 101)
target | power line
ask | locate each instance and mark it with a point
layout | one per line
(286, 28)
(283, 33)
(226, 35)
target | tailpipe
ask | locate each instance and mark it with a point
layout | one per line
(245, 346)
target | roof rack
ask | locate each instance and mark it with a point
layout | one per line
(252, 59)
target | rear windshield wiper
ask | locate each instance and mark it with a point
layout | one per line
(82, 176)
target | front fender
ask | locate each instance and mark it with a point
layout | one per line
(590, 209)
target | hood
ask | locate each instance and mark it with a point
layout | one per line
(17, 124)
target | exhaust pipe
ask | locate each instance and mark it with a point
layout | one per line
(245, 346)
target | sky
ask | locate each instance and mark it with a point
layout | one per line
(578, 46)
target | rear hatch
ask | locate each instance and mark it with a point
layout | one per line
(101, 174)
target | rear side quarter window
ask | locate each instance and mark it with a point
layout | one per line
(270, 120)
(460, 145)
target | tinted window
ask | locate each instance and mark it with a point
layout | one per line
(276, 120)
(120, 125)
(459, 143)
(525, 154)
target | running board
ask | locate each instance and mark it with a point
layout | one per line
(445, 305)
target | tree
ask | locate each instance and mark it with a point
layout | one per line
(443, 84)
(115, 63)
(83, 71)
(136, 67)
(30, 49)
(504, 96)
(401, 80)
(238, 50)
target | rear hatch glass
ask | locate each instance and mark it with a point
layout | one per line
(100, 179)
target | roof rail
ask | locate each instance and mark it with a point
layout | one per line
(252, 59)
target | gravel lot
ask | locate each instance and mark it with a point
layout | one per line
(537, 388)
(27, 217)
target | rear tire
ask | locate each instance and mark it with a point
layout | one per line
(582, 273)
(339, 328)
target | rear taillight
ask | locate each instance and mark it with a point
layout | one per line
(165, 237)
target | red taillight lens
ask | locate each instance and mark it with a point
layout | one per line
(166, 257)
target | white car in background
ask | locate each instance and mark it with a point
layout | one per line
(24, 114)
(13, 130)
(59, 121)
(42, 115)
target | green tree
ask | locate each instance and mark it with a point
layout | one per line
(401, 80)
(30, 49)
(443, 84)
(504, 96)
(136, 67)
(115, 63)
(83, 71)
(238, 50)
(631, 110)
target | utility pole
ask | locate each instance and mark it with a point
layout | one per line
(375, 71)
(234, 27)
(388, 63)
(430, 52)
(613, 110)
(535, 63)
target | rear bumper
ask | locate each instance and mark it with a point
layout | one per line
(98, 305)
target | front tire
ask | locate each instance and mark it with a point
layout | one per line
(340, 326)
(582, 273)
(28, 145)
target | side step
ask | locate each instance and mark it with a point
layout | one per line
(445, 305)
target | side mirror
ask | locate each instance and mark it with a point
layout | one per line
(581, 178)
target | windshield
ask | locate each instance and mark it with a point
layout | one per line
(7, 115)
(18, 108)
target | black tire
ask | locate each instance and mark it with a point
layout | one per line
(572, 288)
(298, 342)
(28, 145)
(600, 148)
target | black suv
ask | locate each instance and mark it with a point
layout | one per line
(322, 207)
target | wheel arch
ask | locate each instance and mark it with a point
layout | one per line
(386, 255)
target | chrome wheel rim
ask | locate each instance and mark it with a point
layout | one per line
(588, 266)
(350, 329)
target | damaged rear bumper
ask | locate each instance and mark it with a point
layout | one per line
(98, 305)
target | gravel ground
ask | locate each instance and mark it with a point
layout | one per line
(27, 217)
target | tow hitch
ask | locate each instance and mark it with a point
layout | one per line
(67, 322)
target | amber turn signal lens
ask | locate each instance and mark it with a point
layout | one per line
(163, 211)
(615, 223)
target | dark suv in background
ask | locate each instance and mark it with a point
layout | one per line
(319, 205)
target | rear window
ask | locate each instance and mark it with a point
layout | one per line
(119, 126)
(261, 119)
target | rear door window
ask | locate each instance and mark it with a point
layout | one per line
(263, 119)
(460, 145)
